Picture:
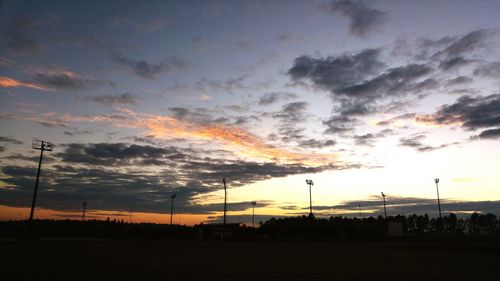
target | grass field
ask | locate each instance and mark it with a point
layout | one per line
(198, 260)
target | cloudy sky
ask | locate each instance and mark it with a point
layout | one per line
(145, 99)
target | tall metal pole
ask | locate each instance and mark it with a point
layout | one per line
(253, 213)
(436, 180)
(385, 209)
(253, 216)
(310, 183)
(310, 201)
(172, 208)
(225, 198)
(33, 202)
(83, 210)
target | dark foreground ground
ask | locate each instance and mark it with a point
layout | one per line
(219, 260)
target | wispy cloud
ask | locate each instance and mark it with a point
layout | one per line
(230, 137)
(7, 82)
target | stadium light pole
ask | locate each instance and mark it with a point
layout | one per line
(385, 210)
(225, 199)
(436, 180)
(310, 183)
(83, 210)
(42, 146)
(253, 212)
(172, 207)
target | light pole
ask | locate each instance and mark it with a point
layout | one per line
(42, 146)
(359, 210)
(83, 210)
(436, 180)
(385, 210)
(225, 198)
(253, 212)
(172, 208)
(310, 183)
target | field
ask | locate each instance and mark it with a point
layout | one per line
(59, 259)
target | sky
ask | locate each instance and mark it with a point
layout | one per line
(146, 99)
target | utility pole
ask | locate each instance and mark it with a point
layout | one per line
(42, 146)
(310, 183)
(172, 208)
(385, 210)
(83, 210)
(253, 213)
(225, 199)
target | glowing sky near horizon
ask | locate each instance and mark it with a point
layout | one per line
(146, 99)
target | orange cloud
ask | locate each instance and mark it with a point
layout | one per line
(231, 137)
(7, 82)
(429, 120)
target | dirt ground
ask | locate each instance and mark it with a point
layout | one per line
(220, 260)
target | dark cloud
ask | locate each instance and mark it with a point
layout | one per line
(271, 98)
(362, 19)
(331, 73)
(147, 70)
(232, 84)
(365, 139)
(65, 80)
(460, 80)
(114, 177)
(415, 141)
(314, 143)
(468, 112)
(10, 140)
(75, 132)
(290, 118)
(110, 100)
(397, 118)
(491, 70)
(2, 148)
(490, 134)
(454, 63)
(198, 115)
(112, 154)
(370, 138)
(339, 124)
(455, 47)
(396, 81)
(358, 89)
